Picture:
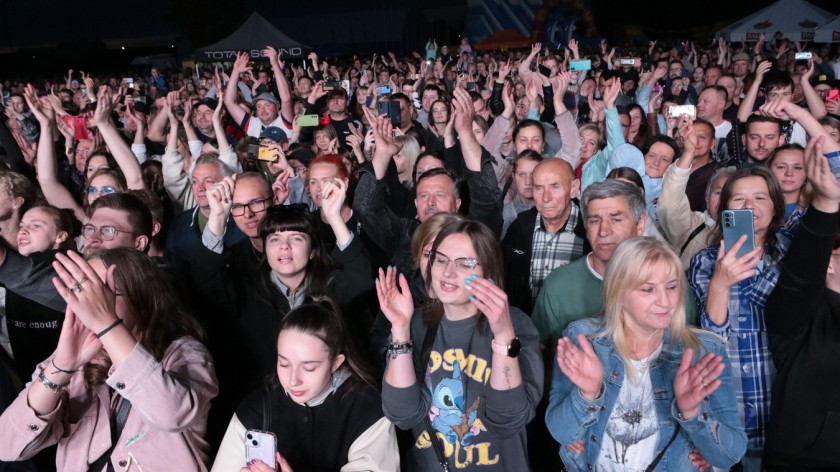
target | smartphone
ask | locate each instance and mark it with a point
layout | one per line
(391, 109)
(470, 86)
(675, 111)
(368, 101)
(737, 223)
(627, 61)
(129, 81)
(308, 120)
(331, 85)
(266, 154)
(575, 66)
(832, 96)
(802, 56)
(383, 90)
(544, 70)
(261, 445)
(253, 151)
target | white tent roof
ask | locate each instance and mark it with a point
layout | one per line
(829, 32)
(797, 20)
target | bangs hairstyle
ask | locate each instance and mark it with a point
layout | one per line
(114, 173)
(281, 218)
(775, 192)
(487, 250)
(148, 291)
(323, 320)
(635, 261)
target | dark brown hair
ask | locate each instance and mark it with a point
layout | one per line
(487, 250)
(776, 197)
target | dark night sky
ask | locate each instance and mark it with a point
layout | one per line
(90, 20)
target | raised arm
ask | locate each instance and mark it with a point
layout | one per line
(525, 66)
(570, 149)
(236, 112)
(119, 149)
(287, 110)
(745, 109)
(816, 105)
(54, 191)
(463, 110)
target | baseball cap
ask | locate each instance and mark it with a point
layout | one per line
(274, 133)
(267, 97)
(741, 56)
(303, 155)
(822, 79)
(208, 102)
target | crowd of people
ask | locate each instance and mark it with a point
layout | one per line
(447, 260)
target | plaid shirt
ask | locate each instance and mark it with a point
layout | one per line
(744, 328)
(552, 250)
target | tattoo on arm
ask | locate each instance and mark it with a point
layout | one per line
(506, 371)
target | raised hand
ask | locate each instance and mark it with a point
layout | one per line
(731, 269)
(492, 302)
(504, 70)
(240, 65)
(44, 115)
(394, 300)
(463, 111)
(280, 187)
(581, 365)
(89, 297)
(694, 383)
(102, 115)
(333, 193)
(220, 197)
(77, 345)
(611, 93)
(826, 189)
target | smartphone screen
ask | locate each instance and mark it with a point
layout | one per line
(266, 154)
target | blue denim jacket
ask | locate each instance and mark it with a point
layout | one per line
(716, 431)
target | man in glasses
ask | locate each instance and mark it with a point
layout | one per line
(117, 220)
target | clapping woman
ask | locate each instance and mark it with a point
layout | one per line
(464, 373)
(130, 382)
(638, 387)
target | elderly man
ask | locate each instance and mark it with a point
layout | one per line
(545, 237)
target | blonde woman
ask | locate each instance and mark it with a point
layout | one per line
(636, 385)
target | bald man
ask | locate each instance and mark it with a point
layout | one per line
(545, 237)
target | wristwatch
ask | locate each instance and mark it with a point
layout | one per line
(510, 350)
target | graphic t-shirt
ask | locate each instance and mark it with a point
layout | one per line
(632, 432)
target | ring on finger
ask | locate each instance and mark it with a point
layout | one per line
(75, 289)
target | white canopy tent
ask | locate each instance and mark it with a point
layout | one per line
(829, 32)
(796, 20)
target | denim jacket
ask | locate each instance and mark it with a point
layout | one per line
(716, 431)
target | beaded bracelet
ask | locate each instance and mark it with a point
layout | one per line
(395, 349)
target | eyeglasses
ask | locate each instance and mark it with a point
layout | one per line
(104, 190)
(106, 233)
(256, 206)
(442, 261)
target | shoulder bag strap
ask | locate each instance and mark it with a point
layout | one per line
(693, 235)
(658, 458)
(116, 432)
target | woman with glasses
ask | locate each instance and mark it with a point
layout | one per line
(464, 372)
(129, 384)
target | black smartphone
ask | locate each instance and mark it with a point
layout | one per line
(331, 85)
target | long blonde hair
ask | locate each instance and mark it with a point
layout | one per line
(635, 261)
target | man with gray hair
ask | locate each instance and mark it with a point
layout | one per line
(186, 228)
(612, 211)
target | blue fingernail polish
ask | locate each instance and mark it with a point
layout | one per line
(472, 298)
(473, 276)
(467, 281)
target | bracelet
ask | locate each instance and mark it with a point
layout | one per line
(59, 369)
(118, 321)
(395, 349)
(51, 386)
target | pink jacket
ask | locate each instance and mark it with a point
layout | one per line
(164, 430)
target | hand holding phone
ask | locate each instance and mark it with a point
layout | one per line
(261, 445)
